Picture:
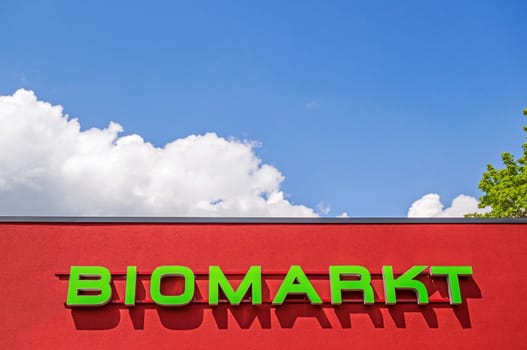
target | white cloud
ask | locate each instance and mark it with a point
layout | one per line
(430, 206)
(49, 166)
(323, 209)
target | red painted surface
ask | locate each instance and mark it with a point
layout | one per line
(492, 316)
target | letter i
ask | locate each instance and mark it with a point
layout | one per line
(131, 280)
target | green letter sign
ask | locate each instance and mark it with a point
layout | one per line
(296, 282)
(252, 279)
(452, 273)
(131, 281)
(91, 285)
(405, 281)
(338, 285)
(170, 271)
(89, 279)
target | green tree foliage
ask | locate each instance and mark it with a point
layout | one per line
(505, 189)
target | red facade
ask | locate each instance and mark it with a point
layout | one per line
(36, 257)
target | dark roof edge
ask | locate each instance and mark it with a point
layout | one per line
(251, 220)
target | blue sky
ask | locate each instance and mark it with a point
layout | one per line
(364, 106)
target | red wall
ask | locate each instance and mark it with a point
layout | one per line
(35, 258)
